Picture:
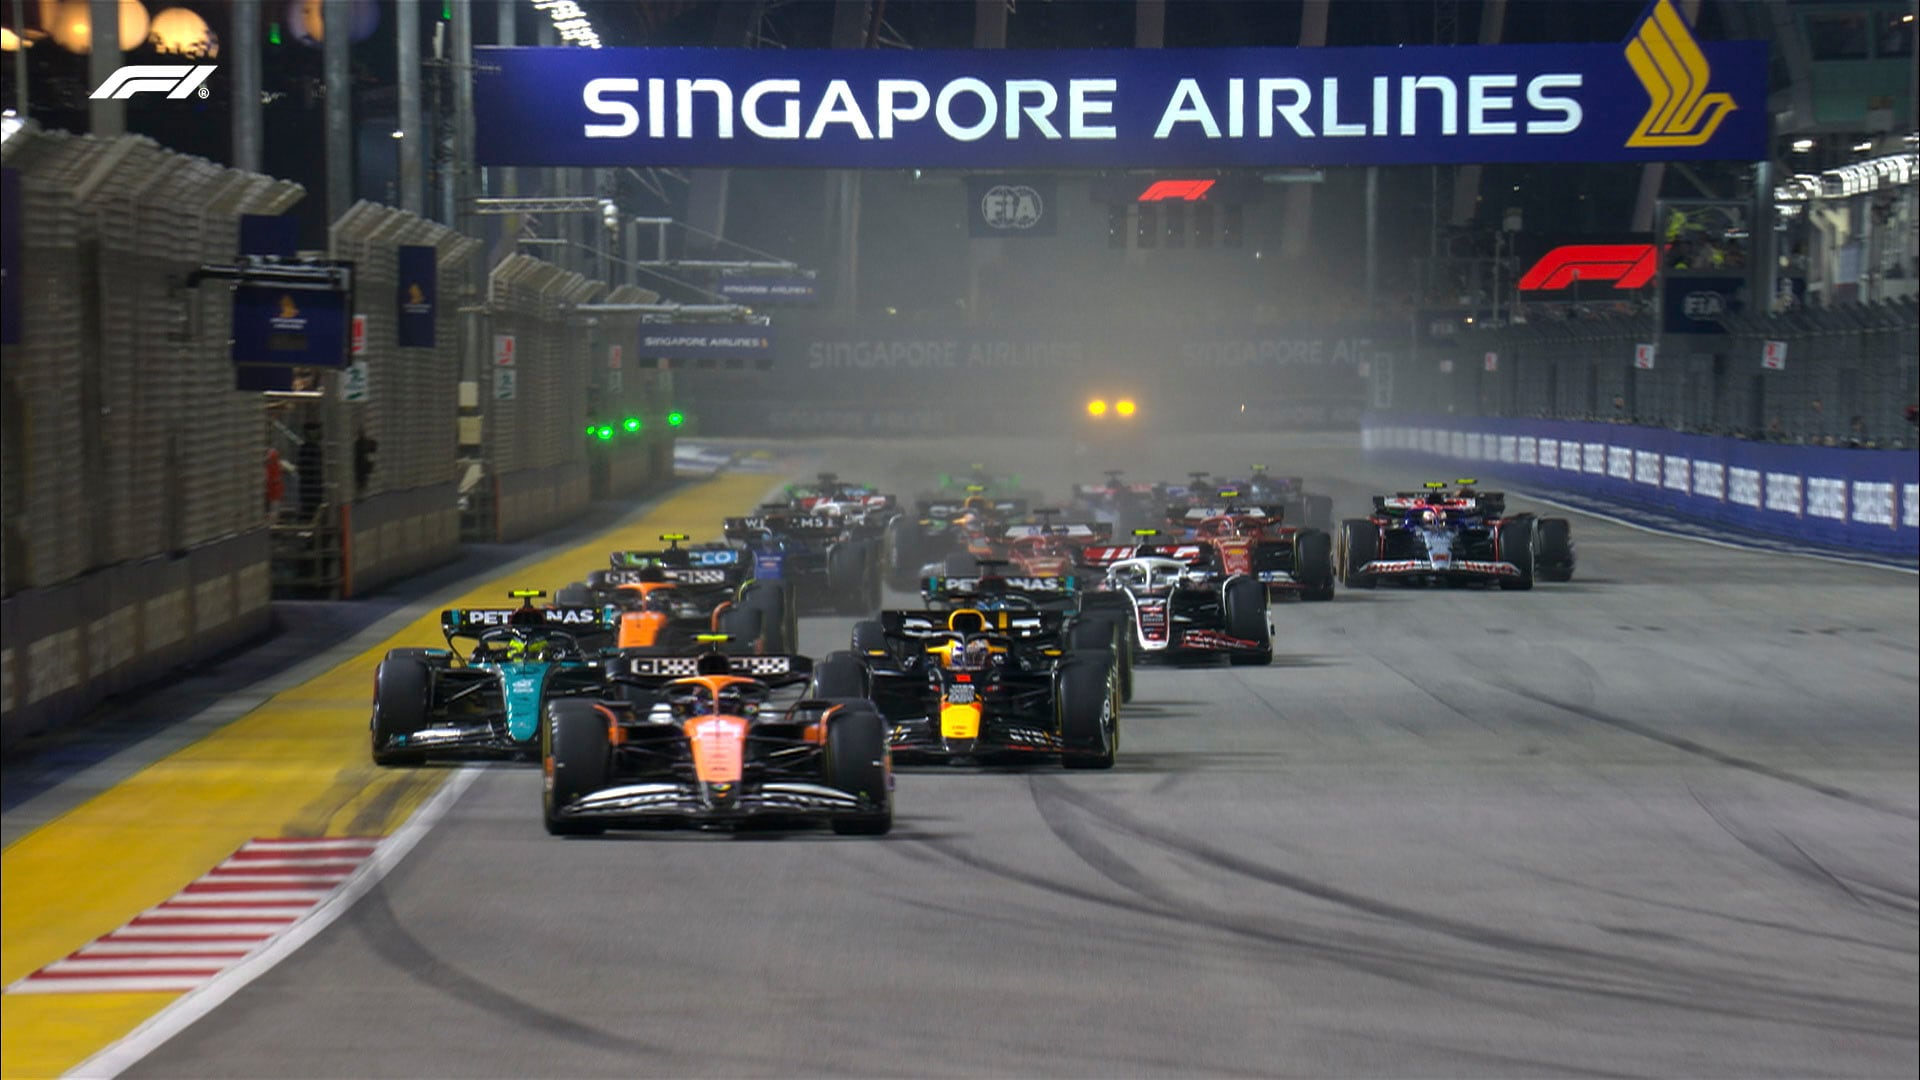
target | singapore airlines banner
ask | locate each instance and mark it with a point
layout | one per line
(1660, 95)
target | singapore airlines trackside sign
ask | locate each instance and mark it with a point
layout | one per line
(1662, 94)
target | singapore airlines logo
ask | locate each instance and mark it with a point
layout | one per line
(288, 310)
(414, 296)
(1671, 66)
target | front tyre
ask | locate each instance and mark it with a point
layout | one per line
(1553, 550)
(855, 761)
(402, 693)
(1313, 565)
(1359, 545)
(575, 756)
(1244, 601)
(1516, 540)
(1084, 700)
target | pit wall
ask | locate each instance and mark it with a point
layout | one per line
(1849, 500)
(70, 646)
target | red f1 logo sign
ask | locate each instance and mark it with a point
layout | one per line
(1628, 266)
(1185, 190)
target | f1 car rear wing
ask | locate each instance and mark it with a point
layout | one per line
(679, 575)
(969, 588)
(1194, 515)
(467, 622)
(1100, 557)
(1012, 624)
(704, 556)
(951, 508)
(784, 524)
(772, 671)
(1081, 531)
(1484, 503)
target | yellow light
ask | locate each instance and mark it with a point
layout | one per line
(72, 25)
(1124, 406)
(1097, 407)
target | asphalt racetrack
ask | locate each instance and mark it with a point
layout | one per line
(1660, 821)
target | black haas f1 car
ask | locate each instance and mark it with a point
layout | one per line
(973, 684)
(829, 557)
(940, 529)
(1251, 540)
(1179, 602)
(697, 741)
(481, 696)
(664, 600)
(1461, 536)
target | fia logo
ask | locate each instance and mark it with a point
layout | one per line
(1012, 206)
(1675, 73)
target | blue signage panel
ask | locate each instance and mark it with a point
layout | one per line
(269, 234)
(769, 288)
(294, 327)
(1699, 305)
(11, 225)
(1660, 95)
(419, 277)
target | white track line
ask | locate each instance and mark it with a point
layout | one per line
(177, 1017)
(1753, 548)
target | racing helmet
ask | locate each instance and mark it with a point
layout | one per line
(713, 663)
(972, 655)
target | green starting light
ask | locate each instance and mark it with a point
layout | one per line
(676, 418)
(604, 432)
(273, 33)
(589, 431)
(632, 424)
(446, 11)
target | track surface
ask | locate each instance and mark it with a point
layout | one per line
(1660, 821)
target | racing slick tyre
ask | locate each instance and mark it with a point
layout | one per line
(1319, 512)
(1313, 564)
(855, 761)
(1516, 540)
(1553, 550)
(839, 675)
(574, 754)
(849, 578)
(1244, 603)
(904, 557)
(769, 598)
(1359, 545)
(869, 639)
(574, 595)
(402, 687)
(1083, 702)
(1105, 630)
(743, 627)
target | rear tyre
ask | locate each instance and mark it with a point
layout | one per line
(1319, 512)
(770, 600)
(574, 595)
(743, 627)
(847, 578)
(1083, 699)
(402, 691)
(855, 762)
(576, 758)
(839, 675)
(904, 557)
(1313, 565)
(1553, 550)
(1359, 545)
(1516, 539)
(870, 639)
(1244, 602)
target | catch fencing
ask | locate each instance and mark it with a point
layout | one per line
(1837, 376)
(134, 532)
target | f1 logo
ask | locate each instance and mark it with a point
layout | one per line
(1628, 266)
(1185, 190)
(174, 80)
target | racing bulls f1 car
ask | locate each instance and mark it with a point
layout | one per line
(1454, 537)
(485, 702)
(698, 741)
(970, 684)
